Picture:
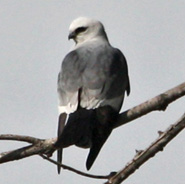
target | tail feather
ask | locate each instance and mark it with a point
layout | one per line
(105, 117)
(78, 130)
(61, 124)
(59, 159)
(85, 128)
(100, 135)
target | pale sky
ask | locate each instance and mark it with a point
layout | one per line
(33, 43)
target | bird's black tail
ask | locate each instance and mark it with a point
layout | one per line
(61, 123)
(77, 130)
(86, 128)
(97, 143)
(105, 117)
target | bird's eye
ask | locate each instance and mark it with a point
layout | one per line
(80, 30)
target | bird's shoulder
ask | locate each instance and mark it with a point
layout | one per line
(72, 56)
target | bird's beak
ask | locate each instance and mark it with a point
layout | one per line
(72, 35)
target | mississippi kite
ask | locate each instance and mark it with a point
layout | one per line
(91, 87)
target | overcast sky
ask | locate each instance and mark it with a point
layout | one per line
(33, 42)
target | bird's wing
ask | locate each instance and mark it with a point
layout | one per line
(105, 79)
(68, 87)
(69, 82)
(116, 81)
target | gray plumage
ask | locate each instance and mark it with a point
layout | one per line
(91, 87)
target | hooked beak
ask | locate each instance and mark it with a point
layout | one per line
(72, 35)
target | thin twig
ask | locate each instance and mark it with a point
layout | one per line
(142, 156)
(75, 170)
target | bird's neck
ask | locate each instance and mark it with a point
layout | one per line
(99, 40)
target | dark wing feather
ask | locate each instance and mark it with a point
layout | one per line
(105, 117)
(120, 66)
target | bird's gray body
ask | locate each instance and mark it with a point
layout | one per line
(91, 87)
(100, 73)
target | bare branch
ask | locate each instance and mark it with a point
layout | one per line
(159, 102)
(77, 171)
(41, 147)
(142, 156)
(21, 138)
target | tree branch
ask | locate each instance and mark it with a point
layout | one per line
(159, 102)
(77, 171)
(142, 156)
(21, 138)
(40, 146)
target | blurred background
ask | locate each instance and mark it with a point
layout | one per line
(33, 43)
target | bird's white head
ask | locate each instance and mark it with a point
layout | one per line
(85, 29)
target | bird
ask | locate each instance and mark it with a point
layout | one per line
(91, 87)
